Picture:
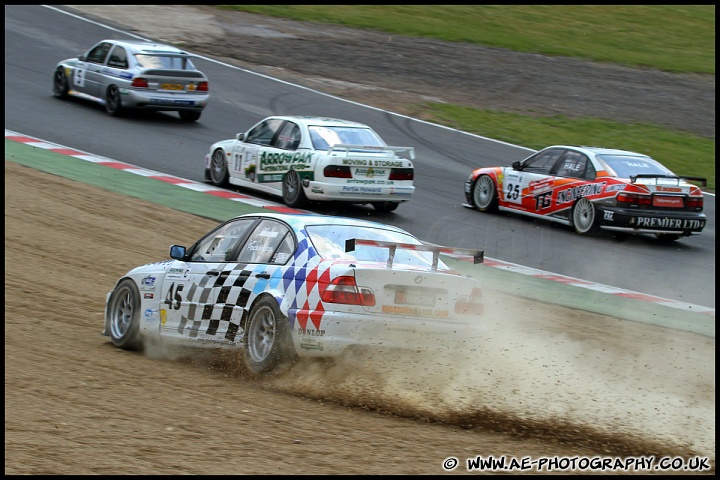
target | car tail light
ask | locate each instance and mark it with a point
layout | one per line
(694, 202)
(402, 174)
(634, 199)
(139, 82)
(344, 290)
(337, 171)
(471, 305)
(202, 87)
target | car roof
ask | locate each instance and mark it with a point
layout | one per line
(299, 220)
(601, 150)
(142, 46)
(319, 121)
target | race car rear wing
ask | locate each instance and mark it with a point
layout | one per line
(702, 180)
(478, 256)
(404, 152)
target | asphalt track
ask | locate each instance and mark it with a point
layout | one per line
(37, 37)
(218, 204)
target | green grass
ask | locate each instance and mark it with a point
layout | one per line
(674, 38)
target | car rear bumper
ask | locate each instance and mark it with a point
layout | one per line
(163, 101)
(338, 331)
(358, 192)
(662, 222)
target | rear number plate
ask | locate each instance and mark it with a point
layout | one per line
(403, 297)
(171, 86)
(674, 202)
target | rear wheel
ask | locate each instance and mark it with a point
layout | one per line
(292, 190)
(218, 168)
(485, 194)
(267, 341)
(61, 87)
(113, 102)
(584, 218)
(385, 206)
(667, 237)
(189, 116)
(124, 316)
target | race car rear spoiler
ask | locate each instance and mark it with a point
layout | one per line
(405, 152)
(478, 256)
(702, 180)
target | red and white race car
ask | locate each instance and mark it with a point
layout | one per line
(590, 188)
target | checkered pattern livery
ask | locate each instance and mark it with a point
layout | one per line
(298, 287)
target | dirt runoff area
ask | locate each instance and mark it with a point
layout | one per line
(542, 382)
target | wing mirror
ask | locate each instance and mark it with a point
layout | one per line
(240, 137)
(81, 57)
(177, 252)
(517, 165)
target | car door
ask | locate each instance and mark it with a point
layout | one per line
(191, 287)
(87, 77)
(530, 188)
(246, 152)
(574, 177)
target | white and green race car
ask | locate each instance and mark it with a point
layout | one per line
(305, 159)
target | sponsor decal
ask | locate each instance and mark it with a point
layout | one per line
(616, 187)
(163, 317)
(573, 193)
(177, 273)
(360, 189)
(148, 296)
(148, 283)
(660, 188)
(308, 332)
(608, 215)
(540, 185)
(668, 201)
(150, 314)
(273, 162)
(669, 223)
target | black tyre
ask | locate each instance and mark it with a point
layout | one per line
(61, 86)
(124, 316)
(584, 217)
(189, 116)
(484, 194)
(292, 190)
(667, 237)
(268, 345)
(113, 102)
(385, 206)
(219, 168)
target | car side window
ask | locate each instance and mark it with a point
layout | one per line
(269, 237)
(542, 162)
(98, 53)
(573, 165)
(289, 137)
(219, 245)
(118, 58)
(263, 133)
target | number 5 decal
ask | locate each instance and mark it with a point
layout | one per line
(173, 295)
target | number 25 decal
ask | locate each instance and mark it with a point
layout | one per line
(173, 294)
(512, 192)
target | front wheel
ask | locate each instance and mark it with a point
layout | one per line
(124, 316)
(292, 190)
(113, 102)
(584, 217)
(61, 87)
(385, 206)
(267, 341)
(485, 194)
(219, 168)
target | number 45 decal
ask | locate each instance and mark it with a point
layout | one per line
(173, 298)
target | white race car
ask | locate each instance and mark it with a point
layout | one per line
(284, 286)
(314, 158)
